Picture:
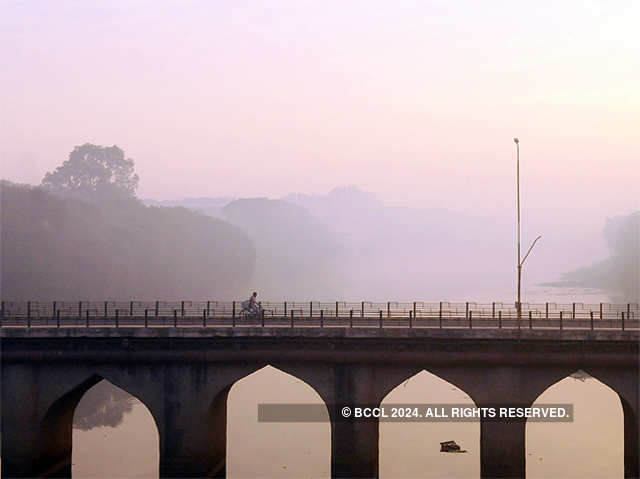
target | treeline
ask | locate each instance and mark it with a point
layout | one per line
(66, 248)
(618, 275)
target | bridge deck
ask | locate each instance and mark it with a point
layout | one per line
(245, 331)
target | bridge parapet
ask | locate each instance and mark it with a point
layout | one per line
(413, 314)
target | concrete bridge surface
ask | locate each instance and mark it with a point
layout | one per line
(183, 376)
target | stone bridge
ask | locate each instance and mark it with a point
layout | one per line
(183, 376)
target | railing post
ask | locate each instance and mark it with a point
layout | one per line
(182, 308)
(388, 309)
(628, 310)
(573, 310)
(336, 310)
(208, 308)
(130, 309)
(310, 309)
(500, 319)
(58, 318)
(530, 320)
(285, 309)
(321, 318)
(204, 318)
(600, 311)
(380, 319)
(591, 316)
(157, 308)
(622, 313)
(560, 320)
(414, 309)
(466, 310)
(493, 310)
(546, 310)
(262, 317)
(175, 318)
(28, 313)
(117, 312)
(440, 313)
(233, 312)
(470, 319)
(79, 309)
(292, 318)
(87, 314)
(54, 309)
(351, 318)
(106, 310)
(410, 320)
(362, 309)
(146, 318)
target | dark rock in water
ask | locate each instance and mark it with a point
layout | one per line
(450, 446)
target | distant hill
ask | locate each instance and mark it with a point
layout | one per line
(404, 253)
(210, 206)
(380, 252)
(298, 257)
(353, 246)
(68, 249)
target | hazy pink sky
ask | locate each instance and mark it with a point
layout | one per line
(416, 101)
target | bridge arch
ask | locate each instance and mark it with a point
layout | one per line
(596, 407)
(412, 448)
(286, 449)
(57, 425)
(114, 435)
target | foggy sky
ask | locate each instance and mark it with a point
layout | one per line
(415, 101)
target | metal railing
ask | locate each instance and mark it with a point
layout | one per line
(319, 314)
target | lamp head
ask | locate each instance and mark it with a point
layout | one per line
(516, 141)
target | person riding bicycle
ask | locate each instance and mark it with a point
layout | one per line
(251, 305)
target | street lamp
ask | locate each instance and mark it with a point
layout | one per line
(520, 262)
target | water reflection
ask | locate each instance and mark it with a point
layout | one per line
(114, 435)
(102, 405)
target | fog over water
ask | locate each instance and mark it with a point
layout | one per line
(348, 245)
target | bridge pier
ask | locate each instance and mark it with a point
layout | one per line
(37, 420)
(626, 383)
(502, 449)
(191, 415)
(502, 443)
(631, 439)
(193, 437)
(354, 442)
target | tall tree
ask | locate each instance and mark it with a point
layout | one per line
(94, 171)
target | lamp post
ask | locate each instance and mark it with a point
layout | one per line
(518, 304)
(520, 262)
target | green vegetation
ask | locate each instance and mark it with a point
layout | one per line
(84, 236)
(94, 172)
